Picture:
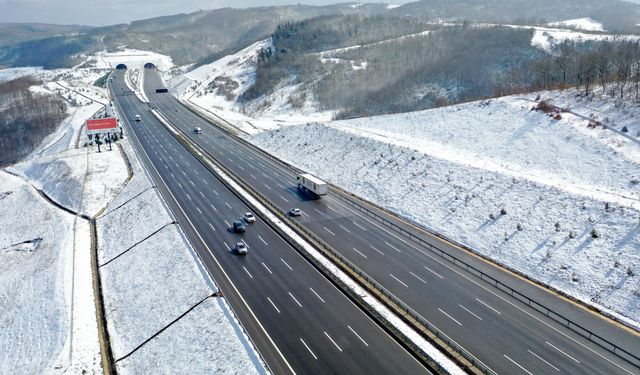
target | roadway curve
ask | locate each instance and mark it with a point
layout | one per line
(504, 333)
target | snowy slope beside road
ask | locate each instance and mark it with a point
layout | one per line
(517, 186)
(35, 253)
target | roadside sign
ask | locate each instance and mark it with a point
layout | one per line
(103, 125)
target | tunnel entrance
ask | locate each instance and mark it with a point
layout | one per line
(149, 65)
(121, 67)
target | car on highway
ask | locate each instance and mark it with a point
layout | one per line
(197, 130)
(239, 226)
(295, 212)
(137, 117)
(240, 248)
(176, 109)
(249, 217)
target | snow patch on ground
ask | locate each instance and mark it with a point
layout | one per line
(587, 24)
(14, 73)
(61, 177)
(466, 163)
(197, 340)
(34, 280)
(121, 228)
(139, 300)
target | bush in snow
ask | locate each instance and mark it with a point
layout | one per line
(572, 234)
(519, 227)
(630, 271)
(492, 216)
(503, 211)
(595, 233)
(557, 226)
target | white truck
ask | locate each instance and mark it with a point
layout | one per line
(311, 185)
(137, 117)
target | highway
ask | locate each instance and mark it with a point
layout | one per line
(299, 321)
(504, 333)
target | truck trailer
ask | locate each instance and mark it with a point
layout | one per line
(312, 186)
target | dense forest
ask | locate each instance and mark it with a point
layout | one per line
(26, 118)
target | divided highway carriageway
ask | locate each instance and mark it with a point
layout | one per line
(298, 320)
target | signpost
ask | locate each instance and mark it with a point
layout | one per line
(103, 128)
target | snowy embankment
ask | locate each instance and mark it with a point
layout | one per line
(46, 255)
(158, 296)
(35, 255)
(555, 200)
(48, 317)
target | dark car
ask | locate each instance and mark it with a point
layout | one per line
(239, 226)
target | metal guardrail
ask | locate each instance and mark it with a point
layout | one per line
(575, 327)
(426, 328)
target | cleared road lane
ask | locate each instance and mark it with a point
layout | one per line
(282, 290)
(427, 283)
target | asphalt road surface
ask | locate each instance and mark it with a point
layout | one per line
(502, 332)
(298, 319)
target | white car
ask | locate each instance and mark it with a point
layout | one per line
(197, 130)
(295, 212)
(249, 217)
(240, 248)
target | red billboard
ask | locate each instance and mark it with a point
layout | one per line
(102, 125)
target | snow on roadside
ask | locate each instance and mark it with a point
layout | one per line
(466, 163)
(196, 340)
(151, 277)
(33, 280)
(61, 177)
(140, 298)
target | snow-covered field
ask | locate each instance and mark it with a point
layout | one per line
(528, 191)
(35, 255)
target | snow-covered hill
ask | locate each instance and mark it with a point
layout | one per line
(217, 87)
(586, 24)
(557, 200)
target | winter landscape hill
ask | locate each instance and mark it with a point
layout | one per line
(506, 127)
